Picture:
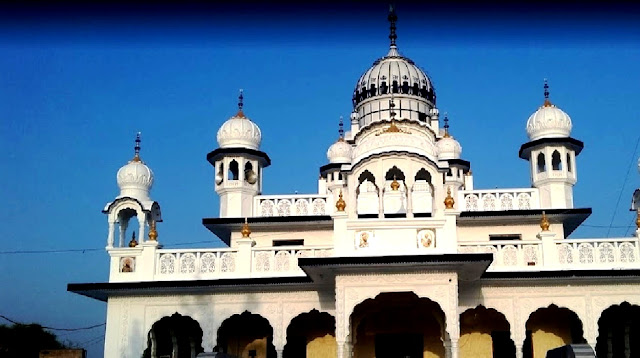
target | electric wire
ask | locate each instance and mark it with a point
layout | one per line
(626, 177)
(54, 328)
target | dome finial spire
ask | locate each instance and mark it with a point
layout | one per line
(136, 149)
(341, 129)
(446, 125)
(240, 104)
(547, 103)
(392, 27)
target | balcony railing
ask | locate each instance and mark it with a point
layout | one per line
(291, 205)
(579, 254)
(499, 199)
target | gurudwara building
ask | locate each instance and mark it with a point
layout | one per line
(396, 255)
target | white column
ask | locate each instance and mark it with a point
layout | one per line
(519, 350)
(141, 237)
(112, 233)
(454, 348)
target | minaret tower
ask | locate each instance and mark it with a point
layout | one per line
(552, 154)
(338, 154)
(135, 180)
(238, 164)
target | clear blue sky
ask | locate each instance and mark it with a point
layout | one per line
(75, 88)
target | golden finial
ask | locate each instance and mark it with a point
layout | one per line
(544, 222)
(468, 173)
(448, 201)
(133, 242)
(246, 231)
(153, 234)
(638, 219)
(394, 184)
(340, 203)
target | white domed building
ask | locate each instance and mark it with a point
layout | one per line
(395, 255)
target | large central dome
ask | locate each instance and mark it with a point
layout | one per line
(393, 76)
(393, 73)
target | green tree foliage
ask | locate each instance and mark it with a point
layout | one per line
(26, 341)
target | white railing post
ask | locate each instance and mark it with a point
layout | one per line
(549, 249)
(243, 259)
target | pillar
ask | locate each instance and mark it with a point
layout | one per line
(141, 220)
(447, 348)
(110, 237)
(454, 348)
(519, 353)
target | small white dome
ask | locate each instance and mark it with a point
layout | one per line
(135, 179)
(239, 132)
(448, 148)
(548, 121)
(339, 152)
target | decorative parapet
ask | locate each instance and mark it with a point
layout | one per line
(283, 260)
(134, 264)
(508, 255)
(567, 254)
(291, 205)
(499, 199)
(603, 253)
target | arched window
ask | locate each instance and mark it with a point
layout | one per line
(556, 163)
(394, 172)
(569, 163)
(233, 170)
(249, 175)
(542, 166)
(366, 175)
(423, 174)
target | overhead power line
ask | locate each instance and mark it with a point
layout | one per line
(54, 328)
(626, 177)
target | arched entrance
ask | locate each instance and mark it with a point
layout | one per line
(176, 336)
(549, 328)
(619, 332)
(398, 325)
(311, 335)
(485, 333)
(246, 335)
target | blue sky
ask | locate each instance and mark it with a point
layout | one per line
(73, 93)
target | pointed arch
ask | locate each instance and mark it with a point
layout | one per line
(618, 330)
(551, 327)
(394, 172)
(311, 334)
(233, 170)
(485, 332)
(176, 336)
(540, 163)
(556, 161)
(569, 168)
(242, 333)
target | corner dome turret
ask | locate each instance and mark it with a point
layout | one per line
(548, 121)
(448, 147)
(135, 179)
(239, 131)
(340, 151)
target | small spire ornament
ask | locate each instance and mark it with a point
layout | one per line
(340, 203)
(153, 234)
(544, 222)
(392, 26)
(448, 201)
(446, 125)
(638, 219)
(341, 130)
(240, 113)
(133, 242)
(246, 231)
(394, 184)
(547, 103)
(136, 157)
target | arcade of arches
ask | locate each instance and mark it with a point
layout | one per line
(400, 324)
